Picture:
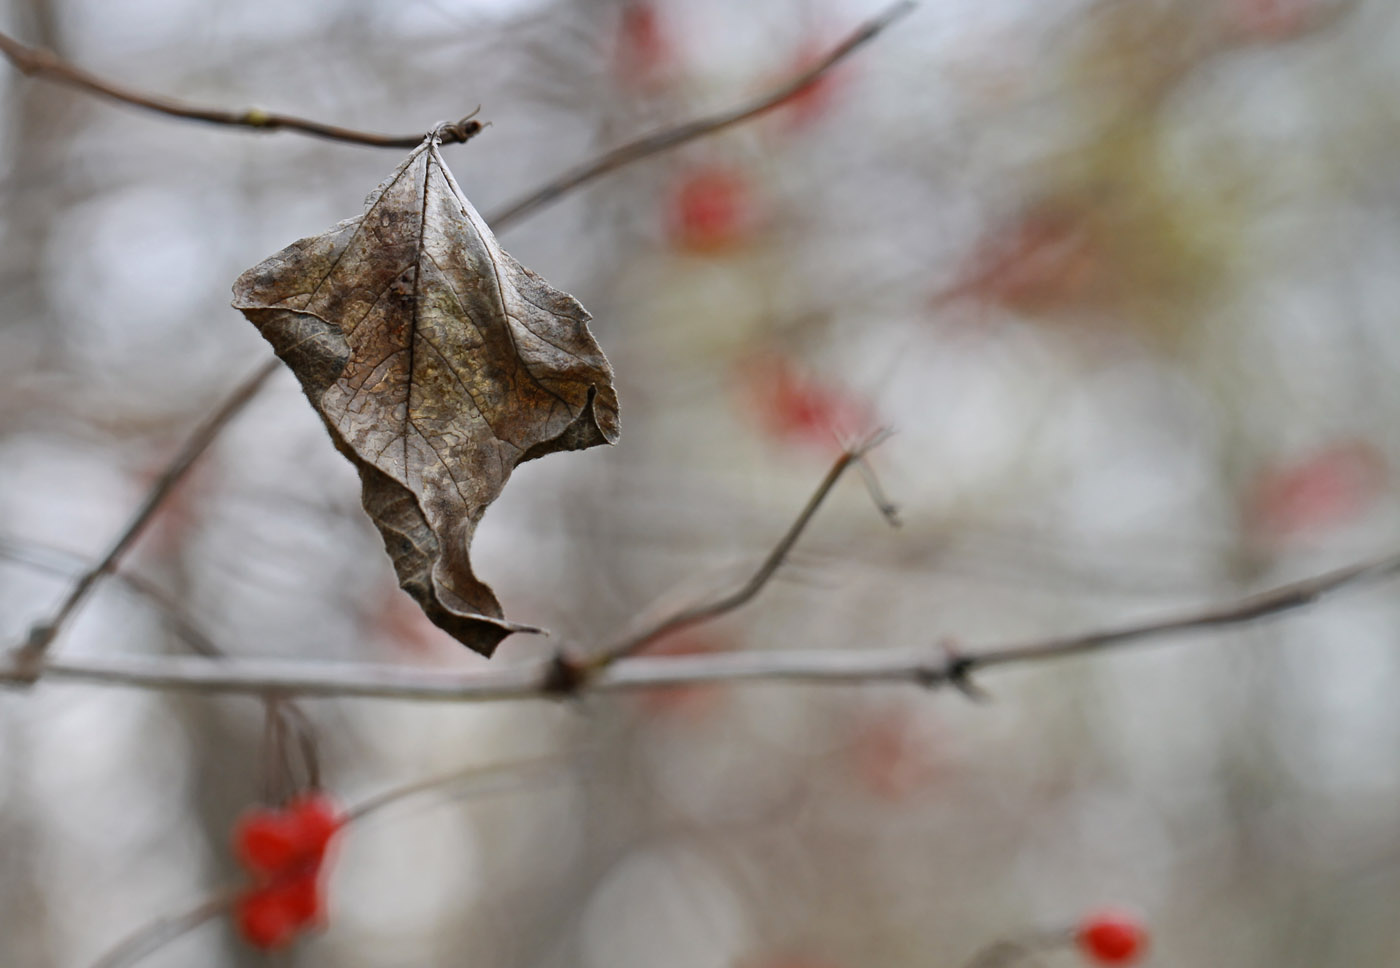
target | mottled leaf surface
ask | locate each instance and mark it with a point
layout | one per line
(438, 364)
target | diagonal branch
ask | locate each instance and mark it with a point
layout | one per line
(166, 929)
(44, 558)
(1284, 598)
(31, 654)
(48, 66)
(668, 138)
(745, 593)
(929, 667)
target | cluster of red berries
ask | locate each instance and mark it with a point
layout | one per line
(1111, 937)
(283, 852)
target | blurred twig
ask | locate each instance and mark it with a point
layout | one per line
(1284, 598)
(31, 654)
(1025, 950)
(929, 667)
(476, 781)
(48, 66)
(283, 719)
(44, 558)
(668, 138)
(1004, 954)
(283, 715)
(166, 929)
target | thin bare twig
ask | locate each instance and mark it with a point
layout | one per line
(1284, 598)
(477, 780)
(31, 554)
(31, 654)
(1021, 951)
(877, 493)
(290, 715)
(1004, 954)
(680, 134)
(166, 929)
(48, 66)
(745, 593)
(929, 667)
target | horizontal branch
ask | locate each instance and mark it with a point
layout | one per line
(48, 66)
(929, 667)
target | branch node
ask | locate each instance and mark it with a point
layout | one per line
(460, 131)
(565, 676)
(859, 454)
(957, 671)
(671, 137)
(930, 676)
(27, 662)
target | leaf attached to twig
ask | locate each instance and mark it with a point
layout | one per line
(438, 364)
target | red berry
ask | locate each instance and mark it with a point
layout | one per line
(316, 821)
(890, 756)
(277, 841)
(687, 702)
(711, 210)
(265, 920)
(1040, 261)
(813, 100)
(644, 49)
(1112, 937)
(266, 841)
(1272, 21)
(1324, 489)
(793, 405)
(300, 896)
(401, 624)
(283, 850)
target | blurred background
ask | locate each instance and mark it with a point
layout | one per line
(1120, 273)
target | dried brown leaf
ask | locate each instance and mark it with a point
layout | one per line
(438, 364)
